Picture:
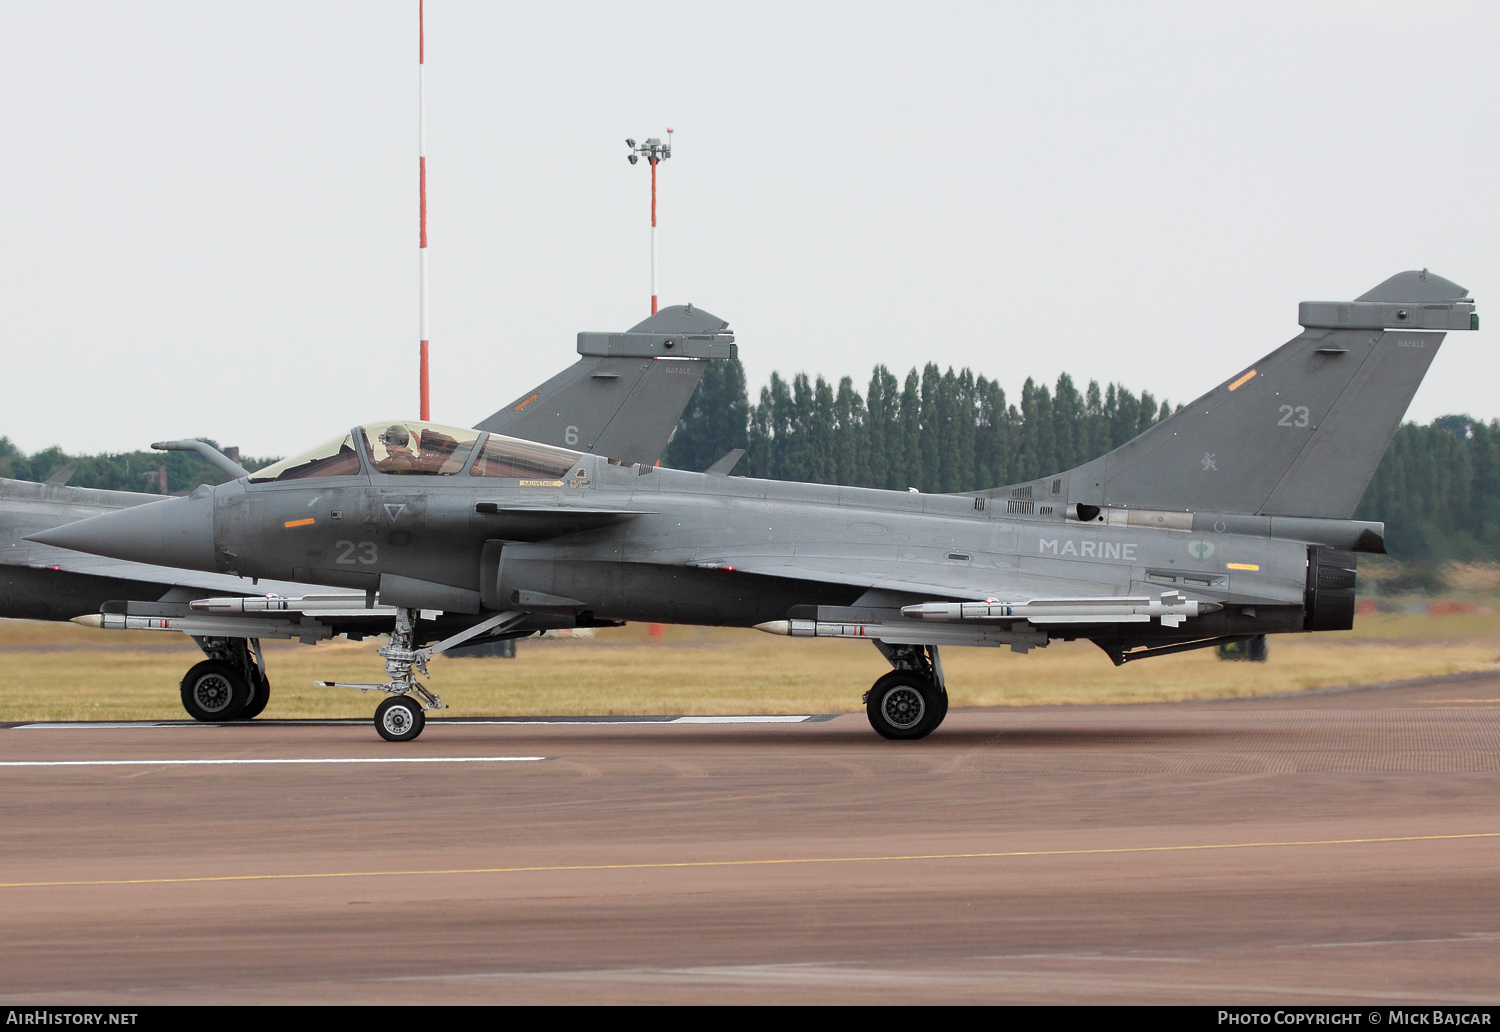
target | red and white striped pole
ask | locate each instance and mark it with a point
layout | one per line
(426, 407)
(654, 152)
(653, 236)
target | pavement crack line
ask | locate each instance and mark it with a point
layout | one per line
(775, 862)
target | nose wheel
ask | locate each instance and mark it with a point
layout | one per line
(399, 719)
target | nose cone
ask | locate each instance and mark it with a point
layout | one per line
(173, 532)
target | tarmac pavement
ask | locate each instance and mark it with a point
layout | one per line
(1332, 848)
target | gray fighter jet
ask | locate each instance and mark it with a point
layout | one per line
(1226, 521)
(624, 394)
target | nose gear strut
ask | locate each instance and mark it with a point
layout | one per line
(403, 661)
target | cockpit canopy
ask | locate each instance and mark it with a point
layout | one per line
(335, 458)
(417, 448)
(412, 448)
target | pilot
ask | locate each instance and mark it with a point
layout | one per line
(399, 457)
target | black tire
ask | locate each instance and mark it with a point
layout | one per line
(941, 708)
(903, 705)
(1258, 649)
(400, 719)
(215, 691)
(260, 694)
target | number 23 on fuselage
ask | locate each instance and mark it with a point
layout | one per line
(371, 500)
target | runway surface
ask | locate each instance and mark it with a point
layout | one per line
(1326, 849)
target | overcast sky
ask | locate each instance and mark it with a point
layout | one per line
(210, 210)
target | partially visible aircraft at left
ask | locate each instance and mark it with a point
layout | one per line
(623, 396)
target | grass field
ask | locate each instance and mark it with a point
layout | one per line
(51, 671)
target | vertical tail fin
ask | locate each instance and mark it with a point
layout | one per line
(623, 398)
(1300, 432)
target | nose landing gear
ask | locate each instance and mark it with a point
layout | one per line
(402, 717)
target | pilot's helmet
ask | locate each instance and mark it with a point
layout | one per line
(395, 436)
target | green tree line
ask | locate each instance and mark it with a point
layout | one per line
(1437, 489)
(123, 471)
(934, 431)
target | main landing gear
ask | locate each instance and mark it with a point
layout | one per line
(230, 684)
(911, 700)
(402, 717)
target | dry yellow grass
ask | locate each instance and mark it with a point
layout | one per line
(64, 672)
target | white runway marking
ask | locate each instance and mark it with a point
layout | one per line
(140, 725)
(658, 722)
(742, 720)
(182, 763)
(102, 726)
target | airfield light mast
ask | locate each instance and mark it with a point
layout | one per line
(653, 150)
(426, 408)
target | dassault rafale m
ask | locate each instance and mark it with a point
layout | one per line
(624, 396)
(1228, 520)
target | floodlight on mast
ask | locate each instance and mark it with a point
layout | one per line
(653, 150)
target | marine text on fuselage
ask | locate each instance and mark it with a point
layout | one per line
(1123, 550)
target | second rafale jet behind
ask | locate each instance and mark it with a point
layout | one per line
(1228, 520)
(623, 396)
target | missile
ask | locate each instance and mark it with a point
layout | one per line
(339, 605)
(909, 632)
(818, 629)
(206, 625)
(1171, 608)
(121, 622)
